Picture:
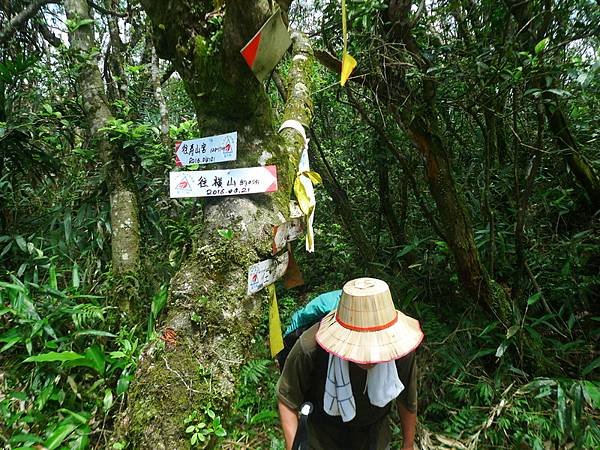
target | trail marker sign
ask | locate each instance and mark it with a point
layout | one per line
(267, 47)
(266, 272)
(208, 150)
(215, 183)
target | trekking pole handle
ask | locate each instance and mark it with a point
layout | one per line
(301, 438)
(306, 408)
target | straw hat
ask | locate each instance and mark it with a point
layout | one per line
(366, 328)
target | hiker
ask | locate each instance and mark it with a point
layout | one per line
(351, 366)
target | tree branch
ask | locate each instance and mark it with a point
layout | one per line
(50, 37)
(106, 11)
(30, 10)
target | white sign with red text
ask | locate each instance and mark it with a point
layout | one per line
(266, 272)
(206, 150)
(215, 183)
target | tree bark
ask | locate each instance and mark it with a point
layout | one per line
(123, 202)
(212, 319)
(417, 114)
(160, 100)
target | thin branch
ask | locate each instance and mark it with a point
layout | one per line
(106, 11)
(50, 37)
(30, 10)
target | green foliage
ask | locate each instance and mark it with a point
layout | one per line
(204, 428)
(74, 25)
(55, 395)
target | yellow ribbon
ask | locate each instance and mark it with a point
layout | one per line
(303, 184)
(348, 62)
(305, 194)
(275, 336)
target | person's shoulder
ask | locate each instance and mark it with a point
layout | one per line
(308, 340)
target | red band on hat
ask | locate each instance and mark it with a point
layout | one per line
(376, 328)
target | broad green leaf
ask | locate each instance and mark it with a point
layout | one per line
(67, 225)
(75, 276)
(52, 274)
(74, 25)
(512, 331)
(226, 234)
(591, 393)
(123, 384)
(6, 249)
(94, 333)
(21, 243)
(159, 301)
(502, 348)
(560, 92)
(540, 46)
(560, 408)
(534, 299)
(96, 355)
(54, 356)
(27, 438)
(536, 384)
(59, 435)
(591, 367)
(21, 270)
(82, 442)
(108, 400)
(81, 418)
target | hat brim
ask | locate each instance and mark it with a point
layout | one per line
(369, 347)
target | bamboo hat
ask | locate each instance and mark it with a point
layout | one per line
(366, 328)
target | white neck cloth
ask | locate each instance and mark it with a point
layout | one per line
(383, 385)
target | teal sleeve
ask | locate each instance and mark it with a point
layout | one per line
(314, 310)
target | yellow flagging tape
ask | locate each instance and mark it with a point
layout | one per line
(305, 194)
(275, 336)
(303, 184)
(348, 62)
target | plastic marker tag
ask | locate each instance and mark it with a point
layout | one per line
(348, 62)
(348, 65)
(286, 232)
(214, 183)
(266, 272)
(275, 336)
(267, 47)
(206, 150)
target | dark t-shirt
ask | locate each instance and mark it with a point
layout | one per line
(303, 379)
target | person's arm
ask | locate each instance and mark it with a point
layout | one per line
(408, 421)
(289, 423)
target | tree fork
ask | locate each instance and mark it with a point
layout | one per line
(213, 320)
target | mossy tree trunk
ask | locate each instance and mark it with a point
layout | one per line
(211, 321)
(116, 165)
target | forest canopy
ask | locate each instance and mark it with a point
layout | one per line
(460, 163)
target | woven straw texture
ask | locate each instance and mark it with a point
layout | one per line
(366, 328)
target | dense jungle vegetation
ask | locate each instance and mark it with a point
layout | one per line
(460, 163)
